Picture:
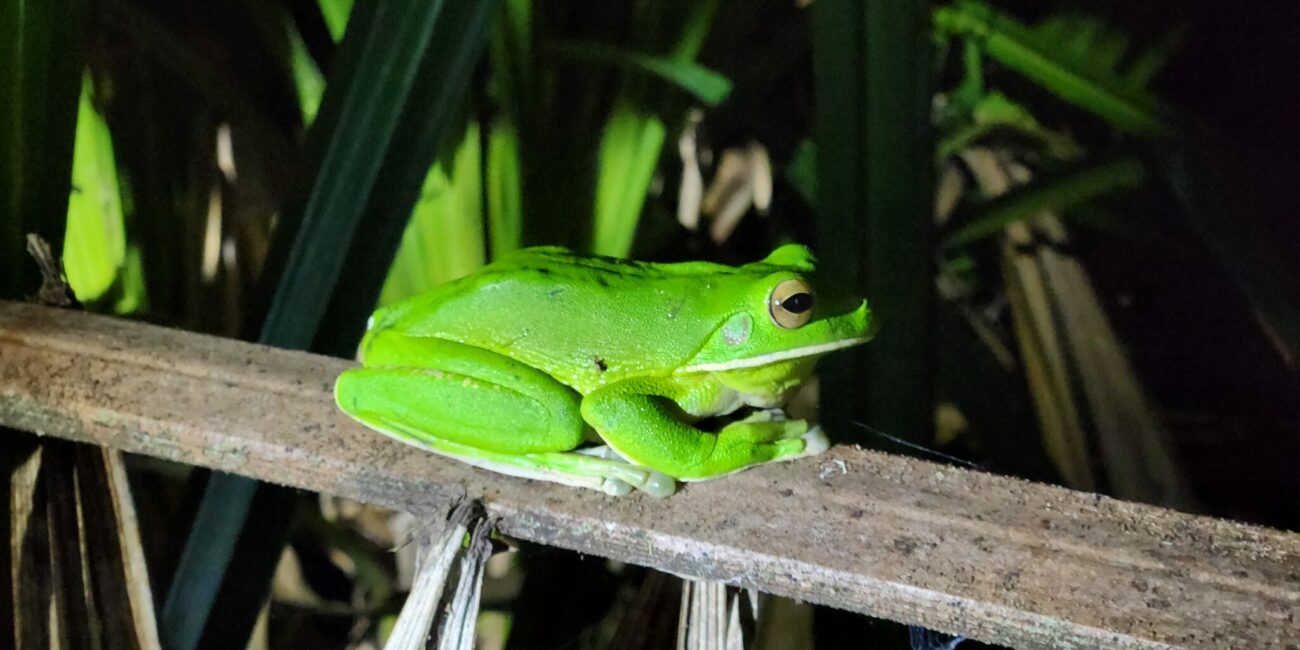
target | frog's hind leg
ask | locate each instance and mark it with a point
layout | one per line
(573, 468)
(485, 409)
(634, 417)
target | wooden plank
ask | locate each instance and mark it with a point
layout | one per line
(995, 558)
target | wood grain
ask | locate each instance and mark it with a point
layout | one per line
(995, 558)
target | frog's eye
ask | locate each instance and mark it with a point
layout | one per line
(791, 304)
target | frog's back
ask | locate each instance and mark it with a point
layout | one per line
(584, 320)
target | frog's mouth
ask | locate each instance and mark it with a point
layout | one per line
(775, 357)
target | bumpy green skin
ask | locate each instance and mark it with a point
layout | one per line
(521, 366)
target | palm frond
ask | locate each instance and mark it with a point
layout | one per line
(1076, 57)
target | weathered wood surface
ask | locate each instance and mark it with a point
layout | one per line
(995, 558)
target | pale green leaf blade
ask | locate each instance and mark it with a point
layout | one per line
(504, 189)
(444, 238)
(708, 86)
(95, 245)
(1057, 193)
(629, 151)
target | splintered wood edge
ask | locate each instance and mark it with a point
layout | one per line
(994, 558)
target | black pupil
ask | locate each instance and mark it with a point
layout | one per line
(797, 303)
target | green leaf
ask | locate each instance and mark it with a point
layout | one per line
(505, 189)
(95, 246)
(307, 78)
(132, 296)
(400, 78)
(336, 14)
(444, 239)
(632, 141)
(706, 85)
(1054, 193)
(432, 114)
(994, 112)
(404, 86)
(801, 171)
(872, 119)
(1077, 58)
(511, 62)
(629, 152)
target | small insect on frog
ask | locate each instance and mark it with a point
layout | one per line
(594, 372)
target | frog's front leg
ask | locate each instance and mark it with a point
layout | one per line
(482, 408)
(636, 419)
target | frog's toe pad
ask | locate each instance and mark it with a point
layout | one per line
(655, 484)
(658, 484)
(616, 488)
(815, 441)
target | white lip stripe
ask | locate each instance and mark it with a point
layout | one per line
(764, 359)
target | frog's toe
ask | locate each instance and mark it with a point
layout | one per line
(627, 477)
(655, 484)
(809, 443)
(616, 488)
(658, 484)
(815, 441)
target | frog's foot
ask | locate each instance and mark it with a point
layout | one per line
(811, 442)
(766, 426)
(814, 442)
(646, 430)
(601, 471)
